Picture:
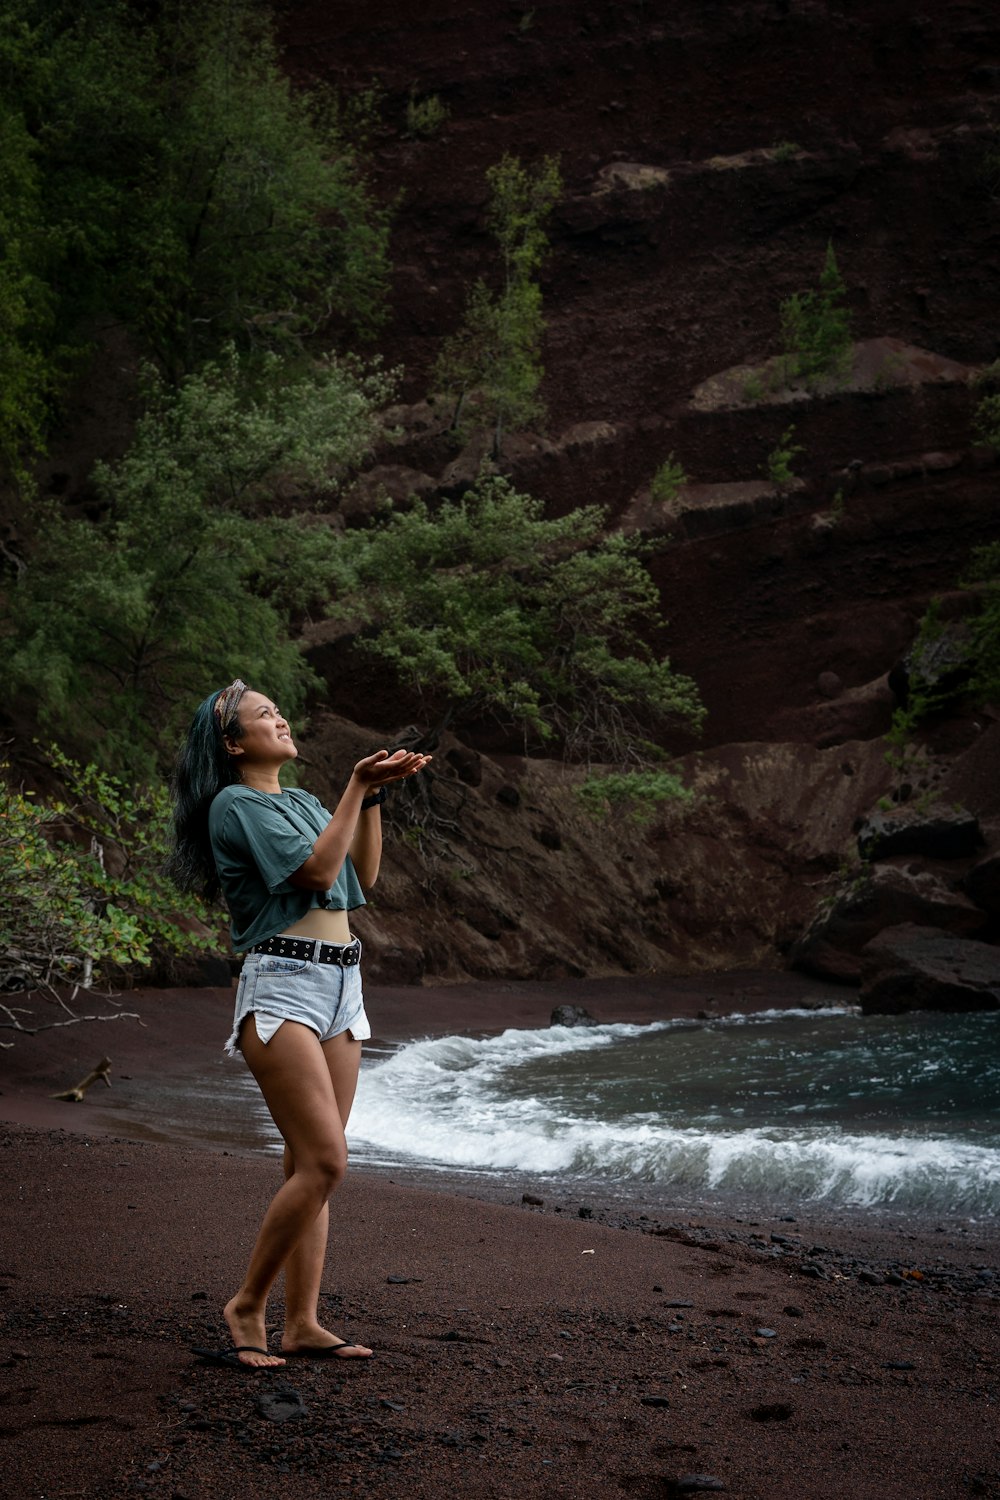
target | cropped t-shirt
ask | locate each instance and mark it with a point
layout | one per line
(259, 839)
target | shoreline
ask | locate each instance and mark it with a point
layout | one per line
(181, 1031)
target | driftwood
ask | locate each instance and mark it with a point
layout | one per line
(101, 1070)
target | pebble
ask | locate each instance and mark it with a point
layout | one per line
(767, 1333)
(810, 1268)
(678, 1304)
(654, 1400)
(791, 1311)
(871, 1278)
(690, 1484)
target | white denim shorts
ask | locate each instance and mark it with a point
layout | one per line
(327, 998)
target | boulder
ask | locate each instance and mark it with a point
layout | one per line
(885, 896)
(920, 968)
(940, 834)
(572, 1015)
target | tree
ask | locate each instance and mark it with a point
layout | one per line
(160, 170)
(816, 327)
(496, 354)
(485, 607)
(85, 900)
(119, 625)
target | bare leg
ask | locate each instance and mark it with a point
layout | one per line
(304, 1267)
(294, 1078)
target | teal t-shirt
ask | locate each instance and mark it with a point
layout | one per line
(259, 839)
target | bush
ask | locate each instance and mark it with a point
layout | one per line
(779, 461)
(85, 899)
(986, 422)
(638, 795)
(425, 117)
(667, 480)
(816, 328)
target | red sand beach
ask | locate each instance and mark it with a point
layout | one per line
(519, 1347)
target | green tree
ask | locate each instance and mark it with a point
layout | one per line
(816, 328)
(485, 607)
(496, 354)
(159, 169)
(85, 899)
(118, 625)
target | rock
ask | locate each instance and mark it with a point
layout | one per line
(871, 1278)
(693, 1484)
(942, 834)
(281, 1403)
(939, 666)
(572, 1015)
(829, 685)
(767, 1333)
(982, 884)
(883, 896)
(530, 1198)
(919, 968)
(654, 1400)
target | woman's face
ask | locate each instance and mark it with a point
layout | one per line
(265, 737)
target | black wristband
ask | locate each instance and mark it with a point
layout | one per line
(375, 800)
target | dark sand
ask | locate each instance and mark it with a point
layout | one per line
(520, 1349)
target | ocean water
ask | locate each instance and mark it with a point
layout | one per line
(780, 1109)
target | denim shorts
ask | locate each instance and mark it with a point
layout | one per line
(325, 997)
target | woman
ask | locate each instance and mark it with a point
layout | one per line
(290, 873)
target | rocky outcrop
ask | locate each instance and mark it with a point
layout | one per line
(918, 968)
(883, 897)
(941, 834)
(982, 884)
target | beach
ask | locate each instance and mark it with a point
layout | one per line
(557, 1347)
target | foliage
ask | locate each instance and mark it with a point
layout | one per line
(425, 117)
(496, 354)
(816, 328)
(784, 151)
(779, 461)
(638, 795)
(485, 607)
(85, 898)
(986, 422)
(984, 652)
(188, 579)
(667, 480)
(159, 169)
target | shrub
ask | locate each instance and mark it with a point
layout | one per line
(779, 461)
(85, 899)
(816, 328)
(638, 795)
(667, 480)
(425, 117)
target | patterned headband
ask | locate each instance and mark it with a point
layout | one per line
(227, 704)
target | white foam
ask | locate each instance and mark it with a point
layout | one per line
(439, 1103)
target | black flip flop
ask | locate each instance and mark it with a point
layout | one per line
(229, 1359)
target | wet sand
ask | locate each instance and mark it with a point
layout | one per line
(521, 1348)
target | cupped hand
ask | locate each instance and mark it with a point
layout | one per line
(379, 769)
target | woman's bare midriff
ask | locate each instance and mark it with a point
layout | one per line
(329, 926)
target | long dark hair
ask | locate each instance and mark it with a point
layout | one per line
(204, 767)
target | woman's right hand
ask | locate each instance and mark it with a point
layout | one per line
(381, 768)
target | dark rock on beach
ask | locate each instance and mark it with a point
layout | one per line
(918, 968)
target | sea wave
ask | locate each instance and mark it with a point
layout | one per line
(455, 1102)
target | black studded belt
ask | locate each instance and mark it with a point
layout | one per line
(311, 949)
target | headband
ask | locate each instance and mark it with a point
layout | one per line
(226, 705)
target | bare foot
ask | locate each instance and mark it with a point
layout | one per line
(247, 1329)
(318, 1341)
